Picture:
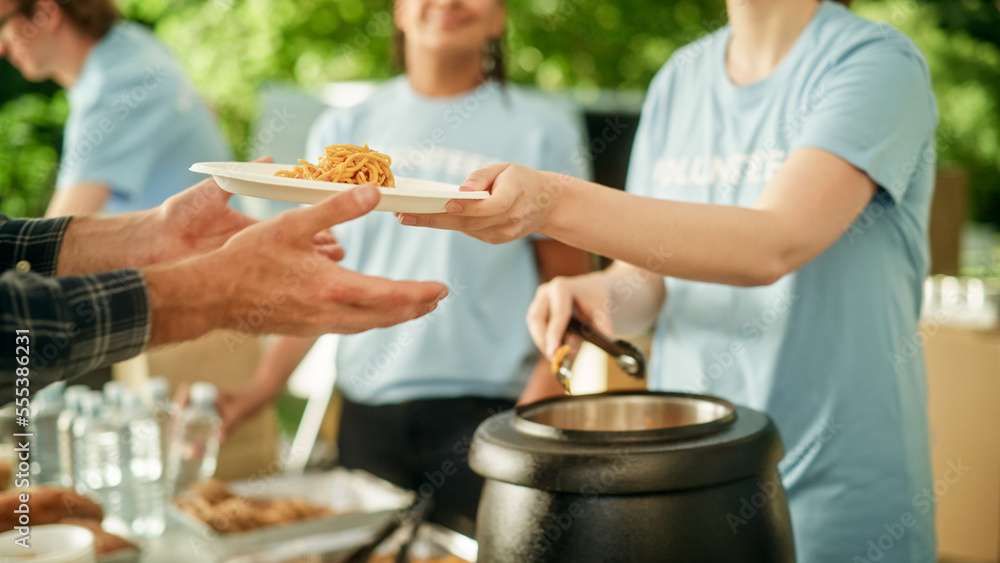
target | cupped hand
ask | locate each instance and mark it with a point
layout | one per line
(281, 281)
(195, 221)
(520, 203)
(556, 301)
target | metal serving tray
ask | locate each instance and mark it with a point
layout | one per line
(362, 502)
(434, 542)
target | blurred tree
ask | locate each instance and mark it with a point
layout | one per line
(31, 120)
(232, 47)
(966, 61)
(961, 41)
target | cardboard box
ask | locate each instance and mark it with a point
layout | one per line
(963, 381)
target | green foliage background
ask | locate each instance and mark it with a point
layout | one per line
(231, 47)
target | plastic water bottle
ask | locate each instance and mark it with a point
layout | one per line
(144, 470)
(194, 444)
(113, 392)
(70, 412)
(46, 406)
(161, 408)
(98, 455)
(116, 413)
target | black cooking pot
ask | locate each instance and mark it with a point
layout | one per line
(631, 477)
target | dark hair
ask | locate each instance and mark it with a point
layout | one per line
(846, 3)
(91, 17)
(493, 58)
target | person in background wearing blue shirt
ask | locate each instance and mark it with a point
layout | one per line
(775, 231)
(414, 394)
(135, 124)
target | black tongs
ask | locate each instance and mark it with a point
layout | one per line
(411, 516)
(630, 359)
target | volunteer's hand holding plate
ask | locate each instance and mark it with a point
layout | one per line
(520, 203)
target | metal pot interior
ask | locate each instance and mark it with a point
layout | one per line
(627, 412)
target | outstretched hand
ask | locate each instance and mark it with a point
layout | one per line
(272, 277)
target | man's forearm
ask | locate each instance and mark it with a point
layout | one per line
(93, 244)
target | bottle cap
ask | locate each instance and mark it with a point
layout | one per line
(131, 403)
(113, 393)
(203, 394)
(72, 396)
(49, 398)
(91, 403)
(159, 388)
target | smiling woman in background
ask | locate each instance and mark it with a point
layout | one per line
(135, 124)
(775, 231)
(415, 393)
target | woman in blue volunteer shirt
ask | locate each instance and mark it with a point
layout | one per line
(415, 393)
(135, 124)
(775, 232)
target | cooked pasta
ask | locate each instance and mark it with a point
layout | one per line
(346, 164)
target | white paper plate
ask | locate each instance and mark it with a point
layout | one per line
(257, 179)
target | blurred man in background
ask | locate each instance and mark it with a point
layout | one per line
(135, 123)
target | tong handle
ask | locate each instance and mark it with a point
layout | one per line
(634, 362)
(590, 334)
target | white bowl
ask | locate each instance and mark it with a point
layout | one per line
(51, 543)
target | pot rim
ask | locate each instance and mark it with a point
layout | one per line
(540, 430)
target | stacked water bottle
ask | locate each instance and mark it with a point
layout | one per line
(130, 453)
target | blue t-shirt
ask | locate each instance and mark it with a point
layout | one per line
(476, 342)
(135, 123)
(827, 351)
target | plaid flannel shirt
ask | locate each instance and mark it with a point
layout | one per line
(74, 324)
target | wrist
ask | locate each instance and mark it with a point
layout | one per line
(92, 244)
(560, 189)
(185, 302)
